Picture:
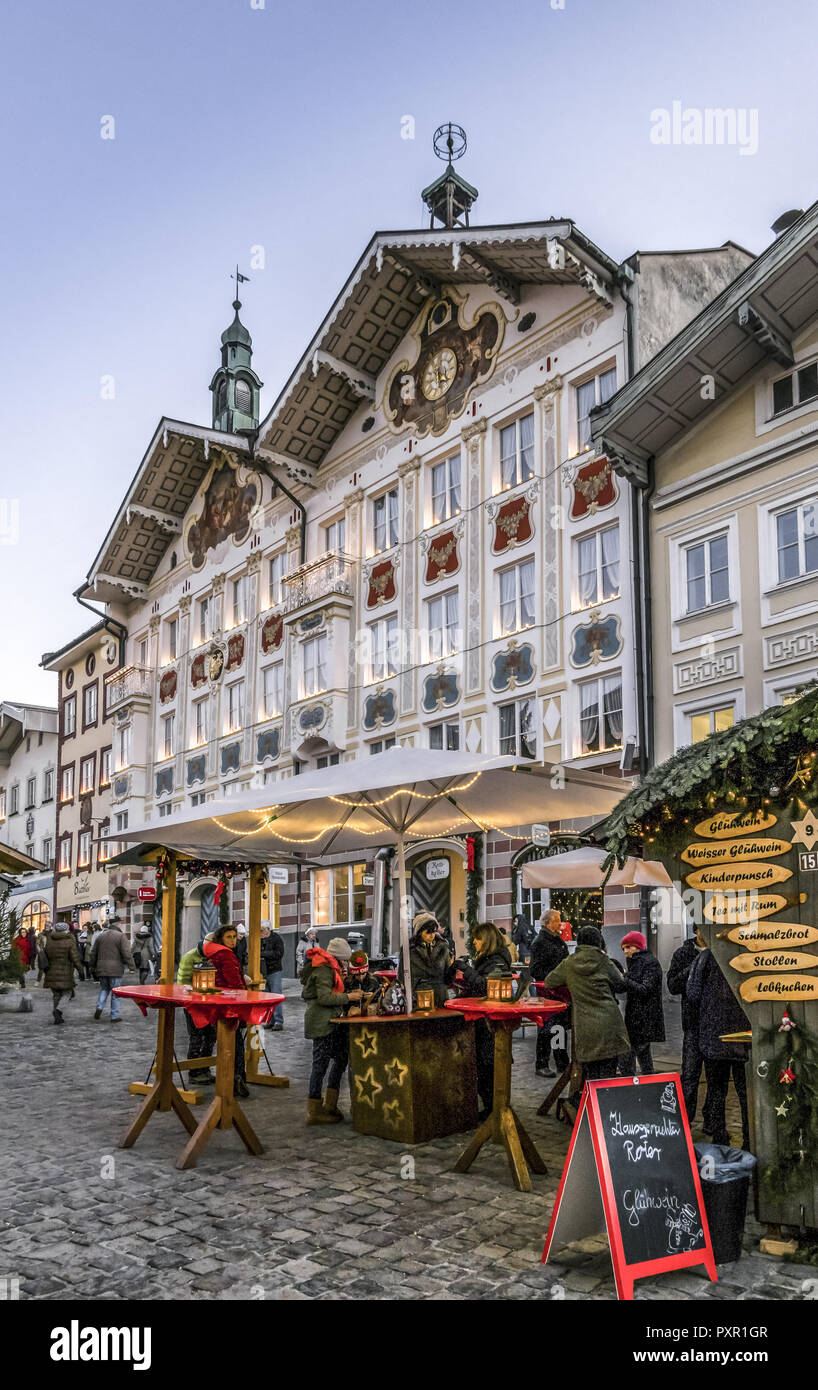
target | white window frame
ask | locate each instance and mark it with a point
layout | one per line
(84, 849)
(518, 705)
(725, 618)
(201, 722)
(580, 447)
(445, 726)
(204, 620)
(234, 707)
(198, 798)
(350, 921)
(48, 784)
(332, 530)
(390, 527)
(316, 646)
(443, 468)
(31, 792)
(802, 604)
(239, 601)
(707, 701)
(276, 570)
(171, 639)
(785, 682)
(84, 763)
(443, 636)
(66, 781)
(167, 730)
(380, 745)
(382, 649)
(600, 680)
(123, 748)
(90, 694)
(165, 809)
(596, 536)
(272, 698)
(515, 423)
(516, 569)
(65, 855)
(69, 716)
(3, 804)
(705, 544)
(48, 850)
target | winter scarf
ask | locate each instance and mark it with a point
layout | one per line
(318, 957)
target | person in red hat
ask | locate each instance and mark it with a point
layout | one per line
(644, 1015)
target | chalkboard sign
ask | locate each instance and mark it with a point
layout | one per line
(631, 1170)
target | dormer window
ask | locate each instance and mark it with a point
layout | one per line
(221, 396)
(795, 389)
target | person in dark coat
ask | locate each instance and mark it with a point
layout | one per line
(594, 980)
(63, 959)
(719, 1012)
(681, 964)
(110, 958)
(490, 958)
(220, 949)
(522, 934)
(272, 959)
(242, 947)
(547, 950)
(644, 1015)
(430, 961)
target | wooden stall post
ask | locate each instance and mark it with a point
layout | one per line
(169, 922)
(255, 1035)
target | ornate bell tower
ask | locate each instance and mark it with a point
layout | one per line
(449, 198)
(236, 388)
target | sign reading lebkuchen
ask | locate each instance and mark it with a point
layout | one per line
(631, 1170)
(766, 988)
(774, 960)
(728, 851)
(723, 827)
(738, 878)
(770, 935)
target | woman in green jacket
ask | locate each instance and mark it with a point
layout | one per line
(325, 996)
(600, 1035)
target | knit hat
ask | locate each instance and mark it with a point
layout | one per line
(635, 938)
(421, 920)
(339, 948)
(359, 960)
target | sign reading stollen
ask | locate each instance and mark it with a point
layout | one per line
(773, 960)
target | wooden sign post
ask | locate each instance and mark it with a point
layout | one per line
(631, 1170)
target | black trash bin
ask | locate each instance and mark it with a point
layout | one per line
(725, 1175)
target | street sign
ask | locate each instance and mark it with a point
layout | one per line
(541, 835)
(278, 874)
(368, 880)
(437, 868)
(146, 895)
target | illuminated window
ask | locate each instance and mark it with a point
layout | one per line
(272, 695)
(712, 721)
(67, 785)
(600, 714)
(442, 617)
(105, 767)
(338, 895)
(597, 561)
(87, 770)
(84, 849)
(65, 854)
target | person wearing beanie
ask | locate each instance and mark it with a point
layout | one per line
(326, 996)
(431, 963)
(599, 1029)
(63, 959)
(644, 1015)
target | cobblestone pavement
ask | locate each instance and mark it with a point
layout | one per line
(323, 1213)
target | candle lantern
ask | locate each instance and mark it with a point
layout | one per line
(204, 979)
(425, 1000)
(500, 989)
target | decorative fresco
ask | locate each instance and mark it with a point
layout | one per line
(235, 651)
(379, 709)
(512, 524)
(596, 641)
(512, 667)
(268, 745)
(450, 354)
(198, 671)
(196, 769)
(231, 757)
(312, 718)
(442, 555)
(164, 781)
(440, 691)
(311, 622)
(594, 488)
(381, 584)
(167, 687)
(230, 501)
(272, 633)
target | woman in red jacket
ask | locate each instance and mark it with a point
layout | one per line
(220, 949)
(23, 943)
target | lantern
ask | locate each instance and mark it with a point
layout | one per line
(425, 999)
(204, 979)
(500, 989)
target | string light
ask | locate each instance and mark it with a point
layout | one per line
(408, 791)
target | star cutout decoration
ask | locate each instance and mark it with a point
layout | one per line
(367, 1041)
(392, 1114)
(368, 1088)
(781, 1110)
(806, 830)
(395, 1072)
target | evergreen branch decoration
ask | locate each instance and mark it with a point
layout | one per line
(11, 963)
(795, 1104)
(474, 882)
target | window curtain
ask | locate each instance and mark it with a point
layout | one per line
(612, 705)
(589, 717)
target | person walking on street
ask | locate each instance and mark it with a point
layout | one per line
(144, 953)
(23, 943)
(719, 1013)
(110, 957)
(644, 1015)
(84, 947)
(325, 994)
(63, 959)
(220, 949)
(681, 964)
(600, 1035)
(201, 1042)
(522, 934)
(308, 940)
(41, 958)
(272, 960)
(242, 947)
(547, 950)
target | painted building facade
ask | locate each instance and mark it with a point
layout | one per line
(28, 782)
(415, 544)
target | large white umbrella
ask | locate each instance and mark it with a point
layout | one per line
(582, 868)
(404, 793)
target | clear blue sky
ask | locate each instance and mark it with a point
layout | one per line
(281, 127)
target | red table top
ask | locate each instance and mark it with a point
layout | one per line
(387, 974)
(243, 1005)
(537, 1010)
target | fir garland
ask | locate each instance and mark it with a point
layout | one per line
(474, 882)
(793, 1052)
(11, 963)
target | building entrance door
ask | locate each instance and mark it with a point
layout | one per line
(431, 894)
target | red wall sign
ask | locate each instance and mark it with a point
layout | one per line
(146, 895)
(631, 1170)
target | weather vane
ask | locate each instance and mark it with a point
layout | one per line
(239, 279)
(449, 141)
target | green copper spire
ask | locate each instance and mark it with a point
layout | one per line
(235, 386)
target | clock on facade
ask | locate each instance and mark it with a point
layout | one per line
(451, 353)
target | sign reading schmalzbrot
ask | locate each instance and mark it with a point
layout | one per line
(770, 935)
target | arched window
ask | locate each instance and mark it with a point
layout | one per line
(243, 396)
(221, 396)
(35, 915)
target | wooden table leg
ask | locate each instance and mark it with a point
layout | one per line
(571, 1077)
(224, 1111)
(502, 1125)
(163, 1095)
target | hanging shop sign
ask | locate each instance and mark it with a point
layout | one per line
(541, 835)
(772, 936)
(774, 960)
(437, 868)
(632, 1135)
(278, 874)
(722, 827)
(762, 988)
(728, 851)
(146, 894)
(738, 878)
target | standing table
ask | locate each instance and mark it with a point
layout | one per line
(503, 1125)
(226, 1009)
(570, 1077)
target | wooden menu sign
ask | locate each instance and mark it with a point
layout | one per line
(631, 1170)
(774, 960)
(728, 851)
(721, 826)
(755, 936)
(738, 878)
(764, 988)
(733, 911)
